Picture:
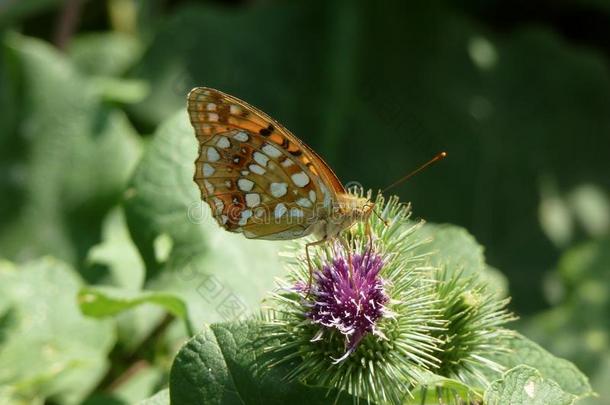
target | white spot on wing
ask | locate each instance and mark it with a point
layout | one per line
(223, 142)
(241, 136)
(278, 189)
(245, 184)
(272, 151)
(211, 107)
(287, 163)
(207, 170)
(212, 117)
(234, 109)
(280, 210)
(326, 202)
(245, 214)
(260, 158)
(296, 212)
(300, 179)
(256, 169)
(304, 202)
(212, 154)
(208, 186)
(218, 204)
(312, 196)
(253, 199)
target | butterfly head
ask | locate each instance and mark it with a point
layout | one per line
(354, 209)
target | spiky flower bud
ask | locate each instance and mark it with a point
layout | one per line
(376, 320)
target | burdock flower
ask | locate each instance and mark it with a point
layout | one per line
(365, 327)
(380, 323)
(350, 300)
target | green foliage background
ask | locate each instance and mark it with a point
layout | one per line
(95, 186)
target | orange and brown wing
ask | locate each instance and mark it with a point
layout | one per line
(257, 177)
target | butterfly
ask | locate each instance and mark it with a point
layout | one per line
(261, 180)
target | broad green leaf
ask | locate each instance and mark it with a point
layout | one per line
(105, 53)
(455, 248)
(51, 350)
(120, 90)
(105, 57)
(437, 389)
(160, 398)
(100, 302)
(587, 263)
(221, 276)
(591, 206)
(104, 399)
(217, 367)
(577, 329)
(116, 261)
(525, 385)
(599, 378)
(80, 153)
(565, 374)
(141, 385)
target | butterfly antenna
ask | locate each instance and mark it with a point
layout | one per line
(435, 159)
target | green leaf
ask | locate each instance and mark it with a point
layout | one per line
(438, 389)
(120, 90)
(160, 398)
(217, 367)
(100, 302)
(105, 57)
(584, 264)
(577, 329)
(565, 374)
(221, 276)
(141, 384)
(455, 248)
(79, 156)
(525, 385)
(116, 261)
(51, 350)
(105, 53)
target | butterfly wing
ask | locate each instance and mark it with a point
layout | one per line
(257, 177)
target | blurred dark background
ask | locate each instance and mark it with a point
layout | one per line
(517, 93)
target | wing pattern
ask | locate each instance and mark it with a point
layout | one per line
(257, 177)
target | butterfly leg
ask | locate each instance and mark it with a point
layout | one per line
(307, 246)
(346, 246)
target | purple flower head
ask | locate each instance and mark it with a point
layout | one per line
(349, 301)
